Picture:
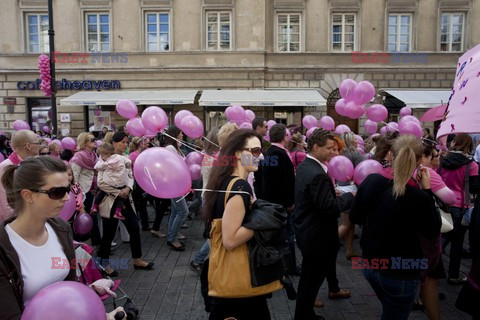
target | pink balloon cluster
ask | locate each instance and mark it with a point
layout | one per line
(354, 95)
(243, 118)
(44, 68)
(190, 124)
(194, 163)
(310, 121)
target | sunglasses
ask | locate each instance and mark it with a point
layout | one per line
(256, 152)
(55, 193)
(44, 153)
(92, 140)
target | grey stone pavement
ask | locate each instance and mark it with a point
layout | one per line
(172, 291)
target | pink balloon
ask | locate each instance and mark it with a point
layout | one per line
(149, 134)
(392, 127)
(65, 300)
(360, 140)
(405, 111)
(340, 168)
(353, 110)
(310, 131)
(246, 125)
(347, 88)
(249, 115)
(409, 119)
(162, 173)
(327, 123)
(69, 207)
(154, 119)
(98, 143)
(267, 136)
(46, 129)
(227, 112)
(270, 124)
(377, 113)
(410, 127)
(47, 140)
(126, 108)
(20, 125)
(68, 143)
(192, 127)
(370, 126)
(180, 115)
(360, 150)
(364, 92)
(135, 127)
(384, 130)
(309, 121)
(194, 157)
(237, 113)
(340, 106)
(366, 168)
(195, 171)
(342, 128)
(83, 223)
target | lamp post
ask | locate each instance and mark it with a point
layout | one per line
(51, 37)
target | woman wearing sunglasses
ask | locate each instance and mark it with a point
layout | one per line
(37, 190)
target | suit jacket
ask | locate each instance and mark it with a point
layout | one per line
(277, 182)
(317, 209)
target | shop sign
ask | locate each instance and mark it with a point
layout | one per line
(72, 85)
(9, 101)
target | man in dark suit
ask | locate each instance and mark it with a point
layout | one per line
(315, 219)
(277, 184)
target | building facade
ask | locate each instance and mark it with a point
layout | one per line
(124, 45)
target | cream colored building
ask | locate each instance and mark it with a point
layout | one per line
(200, 45)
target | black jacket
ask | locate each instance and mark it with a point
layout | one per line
(317, 209)
(11, 281)
(268, 246)
(277, 181)
(392, 226)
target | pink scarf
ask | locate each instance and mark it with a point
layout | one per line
(281, 146)
(15, 158)
(85, 159)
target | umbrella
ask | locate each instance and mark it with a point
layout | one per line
(463, 114)
(434, 114)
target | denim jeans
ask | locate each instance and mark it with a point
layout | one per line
(202, 254)
(397, 296)
(456, 238)
(178, 213)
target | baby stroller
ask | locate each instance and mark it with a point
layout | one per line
(89, 271)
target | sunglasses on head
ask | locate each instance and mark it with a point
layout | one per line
(55, 193)
(256, 152)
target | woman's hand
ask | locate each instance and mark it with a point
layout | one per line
(423, 176)
(124, 193)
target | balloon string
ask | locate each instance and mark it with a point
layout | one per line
(216, 145)
(147, 172)
(181, 142)
(210, 190)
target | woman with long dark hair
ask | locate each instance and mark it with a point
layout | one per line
(240, 145)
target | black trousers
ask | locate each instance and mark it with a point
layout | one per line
(140, 204)
(161, 206)
(110, 228)
(315, 268)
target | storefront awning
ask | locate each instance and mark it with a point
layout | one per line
(421, 99)
(274, 98)
(152, 97)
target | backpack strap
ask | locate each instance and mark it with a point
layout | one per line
(229, 188)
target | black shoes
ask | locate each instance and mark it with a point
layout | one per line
(196, 267)
(149, 266)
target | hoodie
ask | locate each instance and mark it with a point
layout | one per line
(452, 171)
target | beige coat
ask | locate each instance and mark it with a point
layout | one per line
(105, 206)
(83, 177)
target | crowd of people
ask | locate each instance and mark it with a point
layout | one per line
(397, 211)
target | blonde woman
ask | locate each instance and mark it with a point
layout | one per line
(400, 210)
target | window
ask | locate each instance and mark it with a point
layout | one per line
(37, 33)
(98, 32)
(158, 32)
(399, 31)
(451, 34)
(343, 32)
(219, 31)
(288, 32)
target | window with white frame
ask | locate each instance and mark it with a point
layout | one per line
(37, 33)
(343, 32)
(219, 30)
(288, 32)
(451, 36)
(157, 31)
(399, 32)
(98, 31)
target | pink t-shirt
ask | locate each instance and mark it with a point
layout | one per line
(439, 188)
(133, 157)
(454, 179)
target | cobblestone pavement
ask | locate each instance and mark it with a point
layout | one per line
(172, 291)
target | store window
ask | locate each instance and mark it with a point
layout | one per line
(40, 114)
